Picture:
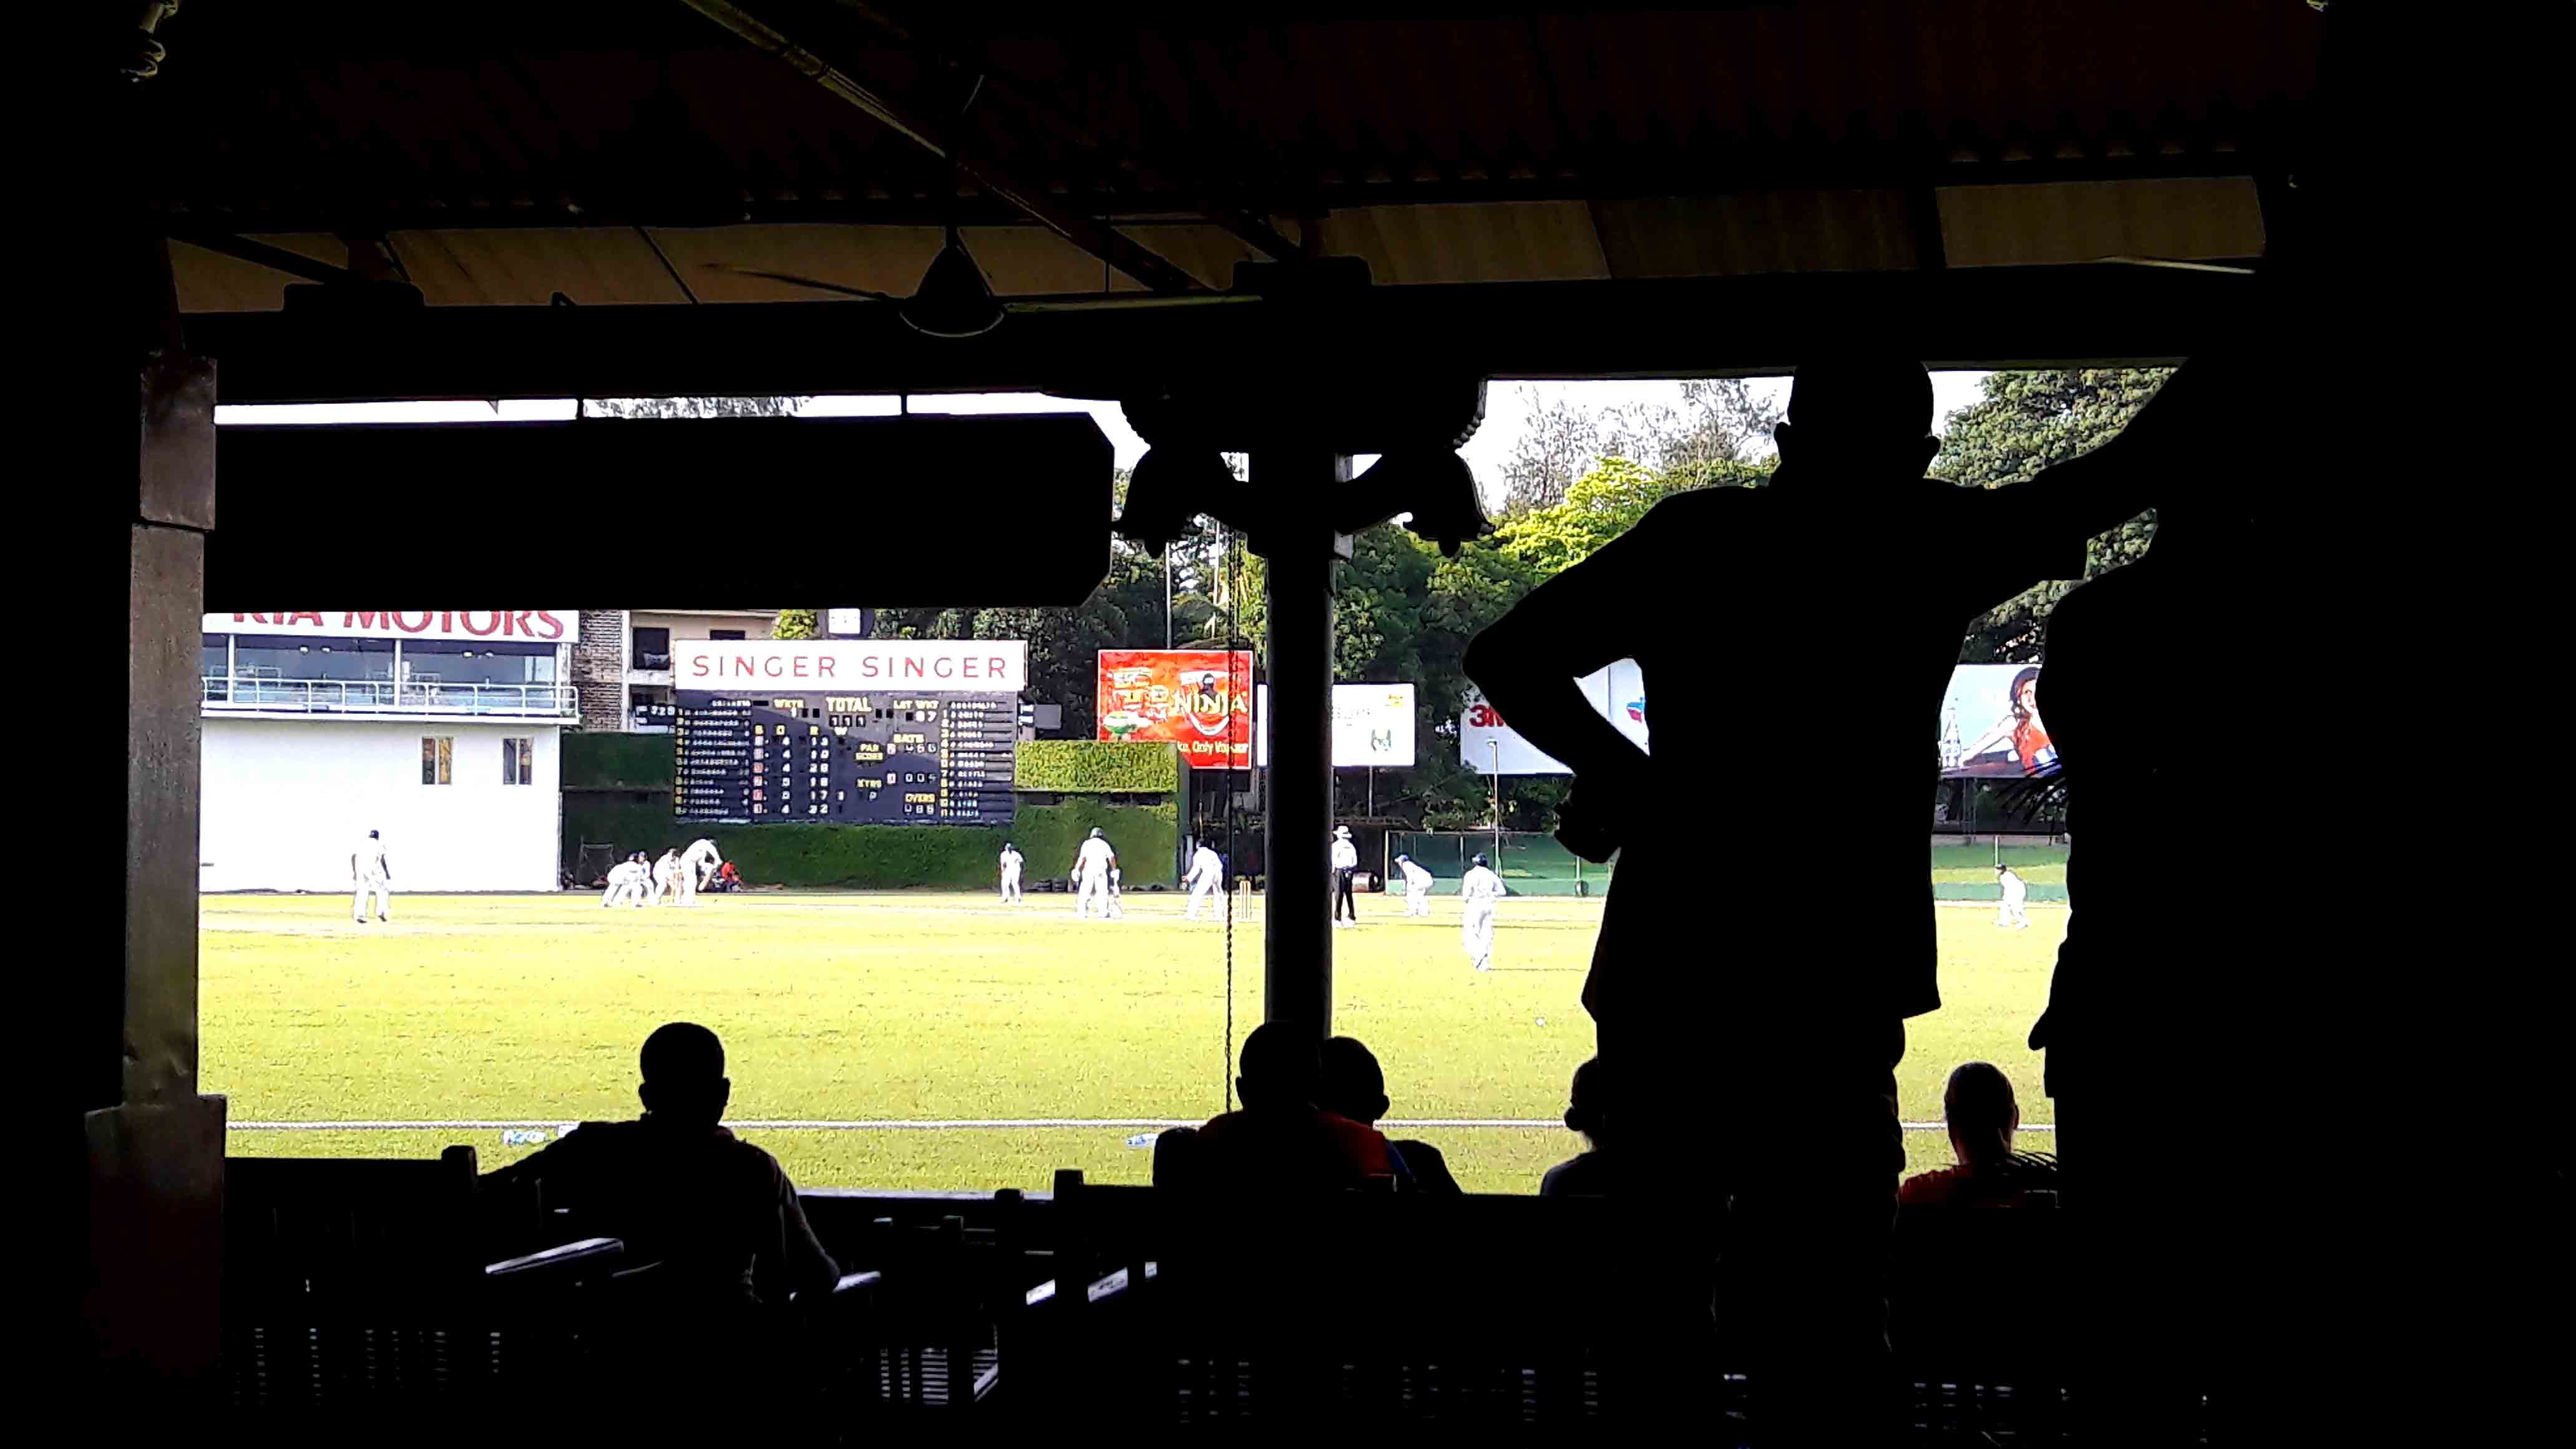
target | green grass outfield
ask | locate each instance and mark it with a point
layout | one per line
(918, 1007)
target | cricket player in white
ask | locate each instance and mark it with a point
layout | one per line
(1346, 860)
(1479, 888)
(1206, 874)
(367, 867)
(697, 869)
(1012, 860)
(1417, 886)
(2016, 898)
(1091, 867)
(1116, 913)
(666, 876)
(625, 883)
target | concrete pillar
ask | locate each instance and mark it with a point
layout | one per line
(156, 1158)
(1298, 805)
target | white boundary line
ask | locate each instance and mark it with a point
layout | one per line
(955, 1125)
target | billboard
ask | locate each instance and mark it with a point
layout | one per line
(1372, 724)
(539, 626)
(1991, 727)
(1198, 699)
(926, 666)
(1990, 724)
(1488, 746)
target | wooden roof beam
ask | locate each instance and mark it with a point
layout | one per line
(259, 253)
(1101, 240)
(1245, 226)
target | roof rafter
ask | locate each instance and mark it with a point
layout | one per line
(1245, 226)
(1098, 238)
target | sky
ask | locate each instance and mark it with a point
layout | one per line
(1508, 406)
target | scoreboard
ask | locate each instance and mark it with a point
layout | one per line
(887, 758)
(845, 733)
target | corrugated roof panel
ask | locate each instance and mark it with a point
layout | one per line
(528, 265)
(2184, 219)
(1721, 236)
(209, 282)
(1500, 241)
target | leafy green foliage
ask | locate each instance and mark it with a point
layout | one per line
(1097, 767)
(2028, 422)
(594, 760)
(890, 857)
(1403, 613)
(796, 624)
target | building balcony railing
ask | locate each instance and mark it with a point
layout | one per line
(386, 697)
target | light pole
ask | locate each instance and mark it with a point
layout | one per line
(1495, 747)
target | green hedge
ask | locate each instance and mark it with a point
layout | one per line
(598, 760)
(1146, 837)
(1097, 767)
(607, 761)
(888, 857)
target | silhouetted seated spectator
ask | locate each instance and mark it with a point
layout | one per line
(1593, 1173)
(1355, 1087)
(1982, 1114)
(1279, 1140)
(717, 1214)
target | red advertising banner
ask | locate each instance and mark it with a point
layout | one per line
(1199, 699)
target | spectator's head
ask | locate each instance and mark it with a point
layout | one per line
(684, 1075)
(1588, 1103)
(1859, 415)
(1350, 1082)
(1281, 1060)
(1979, 1106)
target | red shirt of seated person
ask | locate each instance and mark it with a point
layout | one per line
(1279, 1139)
(1982, 1115)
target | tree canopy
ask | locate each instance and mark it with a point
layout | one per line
(1405, 614)
(2027, 422)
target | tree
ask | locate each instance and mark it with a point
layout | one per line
(2028, 422)
(1719, 422)
(1557, 442)
(1605, 503)
(796, 624)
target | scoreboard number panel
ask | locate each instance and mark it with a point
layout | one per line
(844, 757)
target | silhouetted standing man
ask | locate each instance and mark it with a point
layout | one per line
(1851, 579)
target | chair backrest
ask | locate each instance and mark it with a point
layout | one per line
(1381, 1270)
(1974, 1292)
(328, 1236)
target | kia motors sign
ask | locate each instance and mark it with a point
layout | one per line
(526, 626)
(928, 666)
